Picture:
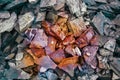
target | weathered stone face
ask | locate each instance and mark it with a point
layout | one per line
(8, 24)
(25, 21)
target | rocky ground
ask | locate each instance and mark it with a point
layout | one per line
(59, 40)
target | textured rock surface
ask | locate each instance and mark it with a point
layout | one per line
(10, 23)
(25, 21)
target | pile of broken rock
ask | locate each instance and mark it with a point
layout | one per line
(59, 39)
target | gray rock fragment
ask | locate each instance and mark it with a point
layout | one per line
(74, 6)
(98, 21)
(8, 24)
(40, 16)
(47, 3)
(11, 73)
(59, 4)
(51, 76)
(4, 14)
(110, 45)
(25, 21)
(105, 52)
(24, 75)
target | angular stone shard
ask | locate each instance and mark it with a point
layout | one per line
(51, 17)
(105, 52)
(25, 62)
(74, 6)
(4, 14)
(10, 23)
(51, 45)
(89, 53)
(69, 64)
(25, 21)
(69, 40)
(77, 26)
(46, 63)
(58, 55)
(98, 21)
(47, 3)
(40, 39)
(40, 16)
(110, 44)
(58, 32)
(69, 49)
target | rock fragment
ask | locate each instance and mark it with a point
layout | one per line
(10, 23)
(46, 63)
(99, 20)
(105, 52)
(25, 21)
(40, 16)
(47, 3)
(40, 39)
(110, 45)
(4, 14)
(74, 6)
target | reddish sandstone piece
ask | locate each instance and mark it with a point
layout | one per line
(58, 55)
(46, 25)
(69, 40)
(39, 52)
(58, 32)
(69, 50)
(85, 38)
(40, 39)
(51, 45)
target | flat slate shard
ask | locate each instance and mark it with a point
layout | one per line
(47, 3)
(98, 21)
(110, 45)
(40, 16)
(25, 21)
(10, 23)
(74, 6)
(105, 52)
(4, 14)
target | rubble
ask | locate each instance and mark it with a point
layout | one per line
(59, 39)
